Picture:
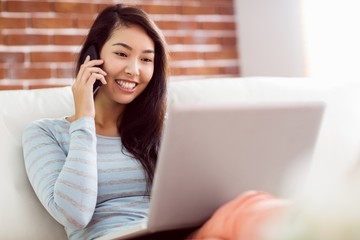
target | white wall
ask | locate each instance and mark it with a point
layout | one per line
(313, 38)
(332, 30)
(270, 38)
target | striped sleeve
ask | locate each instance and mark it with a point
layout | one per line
(65, 182)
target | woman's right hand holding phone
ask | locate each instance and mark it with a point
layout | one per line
(83, 87)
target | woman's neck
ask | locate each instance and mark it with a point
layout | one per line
(107, 116)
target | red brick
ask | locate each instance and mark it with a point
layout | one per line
(167, 24)
(69, 39)
(2, 38)
(174, 40)
(228, 41)
(101, 6)
(185, 55)
(186, 25)
(12, 23)
(212, 2)
(74, 7)
(65, 73)
(84, 21)
(226, 10)
(12, 57)
(2, 73)
(21, 72)
(161, 9)
(201, 9)
(52, 22)
(203, 71)
(52, 57)
(30, 6)
(225, 54)
(227, 3)
(218, 25)
(174, 25)
(27, 39)
(201, 40)
(234, 71)
(176, 71)
(11, 86)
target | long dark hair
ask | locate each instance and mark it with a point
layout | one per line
(142, 121)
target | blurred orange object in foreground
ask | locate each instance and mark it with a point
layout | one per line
(242, 218)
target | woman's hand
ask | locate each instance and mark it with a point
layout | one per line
(83, 87)
(243, 218)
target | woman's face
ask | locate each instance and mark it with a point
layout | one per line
(129, 63)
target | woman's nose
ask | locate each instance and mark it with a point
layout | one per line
(132, 68)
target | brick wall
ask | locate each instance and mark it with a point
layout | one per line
(39, 39)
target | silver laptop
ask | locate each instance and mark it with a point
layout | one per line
(211, 153)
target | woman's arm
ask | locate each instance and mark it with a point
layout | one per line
(65, 183)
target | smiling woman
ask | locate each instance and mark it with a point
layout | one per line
(93, 170)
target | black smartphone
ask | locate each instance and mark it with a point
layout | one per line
(92, 52)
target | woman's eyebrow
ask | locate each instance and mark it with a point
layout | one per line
(130, 48)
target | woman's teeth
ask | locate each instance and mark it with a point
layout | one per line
(126, 85)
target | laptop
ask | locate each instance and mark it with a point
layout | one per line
(211, 153)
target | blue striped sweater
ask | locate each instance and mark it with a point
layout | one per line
(85, 181)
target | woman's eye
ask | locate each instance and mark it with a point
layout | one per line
(121, 54)
(147, 59)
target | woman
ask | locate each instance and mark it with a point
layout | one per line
(93, 170)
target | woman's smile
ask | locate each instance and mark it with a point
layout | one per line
(126, 85)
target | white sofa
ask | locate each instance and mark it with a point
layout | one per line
(22, 217)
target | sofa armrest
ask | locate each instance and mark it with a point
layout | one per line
(22, 215)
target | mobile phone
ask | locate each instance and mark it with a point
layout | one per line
(92, 52)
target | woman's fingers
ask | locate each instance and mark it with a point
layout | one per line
(94, 77)
(89, 80)
(90, 66)
(98, 70)
(82, 67)
(91, 63)
(87, 70)
(87, 59)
